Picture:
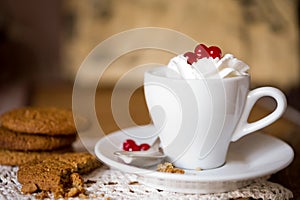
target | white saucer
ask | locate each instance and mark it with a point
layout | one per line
(254, 156)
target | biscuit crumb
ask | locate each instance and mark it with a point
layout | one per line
(77, 186)
(169, 168)
(133, 183)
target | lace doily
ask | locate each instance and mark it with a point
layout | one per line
(105, 183)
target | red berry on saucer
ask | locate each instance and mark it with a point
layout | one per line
(201, 51)
(129, 144)
(135, 147)
(191, 57)
(144, 147)
(214, 52)
(126, 146)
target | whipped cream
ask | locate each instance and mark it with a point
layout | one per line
(227, 66)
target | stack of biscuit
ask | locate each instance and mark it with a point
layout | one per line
(30, 133)
(39, 140)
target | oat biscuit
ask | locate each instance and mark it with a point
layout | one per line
(33, 142)
(47, 120)
(59, 174)
(16, 158)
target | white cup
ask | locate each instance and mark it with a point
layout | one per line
(197, 119)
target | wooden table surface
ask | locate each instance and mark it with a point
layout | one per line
(286, 128)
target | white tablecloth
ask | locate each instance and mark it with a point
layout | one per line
(104, 183)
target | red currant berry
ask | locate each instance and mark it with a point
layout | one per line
(144, 147)
(130, 141)
(135, 148)
(214, 52)
(128, 144)
(191, 57)
(201, 51)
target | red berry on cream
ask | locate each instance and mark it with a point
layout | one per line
(191, 57)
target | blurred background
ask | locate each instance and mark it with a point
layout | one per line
(43, 43)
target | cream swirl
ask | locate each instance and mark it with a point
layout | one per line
(227, 66)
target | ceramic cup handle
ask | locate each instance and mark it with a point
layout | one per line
(243, 128)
